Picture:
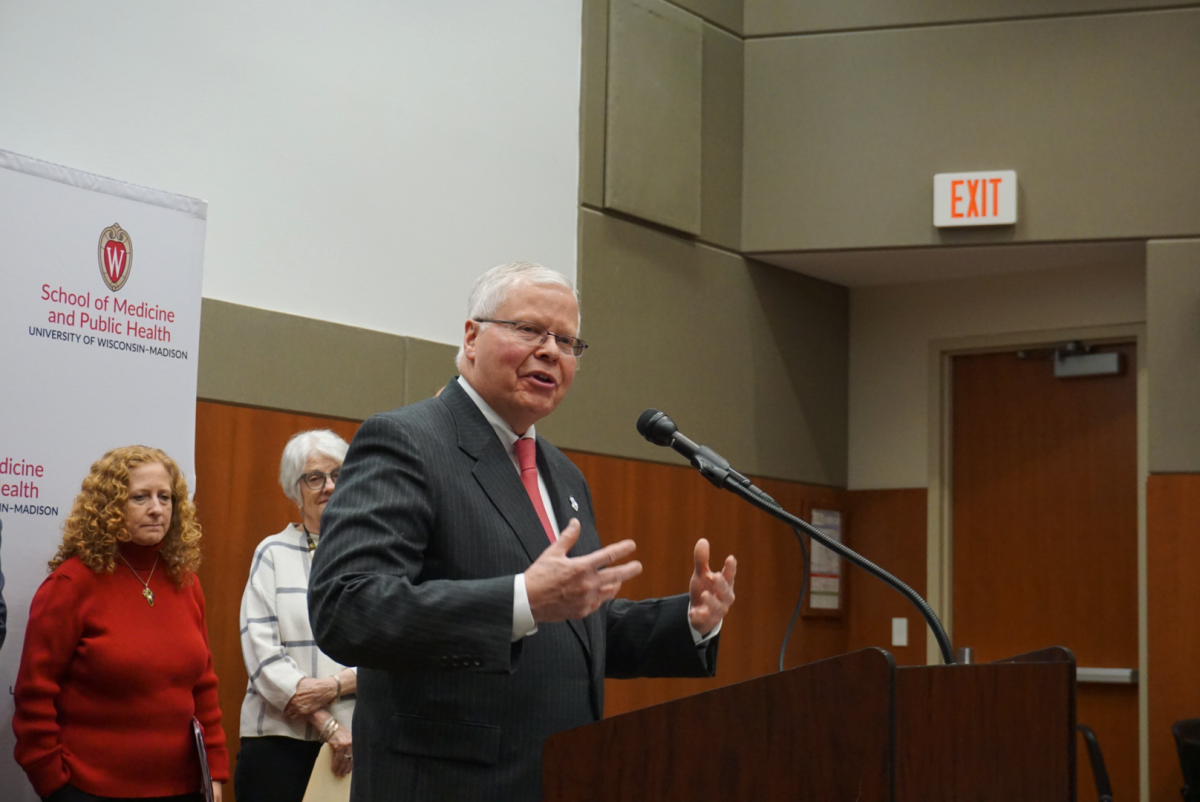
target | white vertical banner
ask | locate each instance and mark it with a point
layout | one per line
(100, 286)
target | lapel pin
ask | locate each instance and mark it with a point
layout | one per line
(574, 503)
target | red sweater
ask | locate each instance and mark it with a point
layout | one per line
(108, 684)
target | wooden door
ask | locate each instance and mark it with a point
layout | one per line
(1044, 517)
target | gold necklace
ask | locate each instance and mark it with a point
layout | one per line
(146, 592)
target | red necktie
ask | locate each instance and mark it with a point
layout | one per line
(526, 449)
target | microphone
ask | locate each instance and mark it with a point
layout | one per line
(658, 428)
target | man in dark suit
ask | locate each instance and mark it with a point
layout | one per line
(480, 627)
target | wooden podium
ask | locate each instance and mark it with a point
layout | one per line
(855, 727)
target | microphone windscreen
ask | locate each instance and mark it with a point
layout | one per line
(656, 427)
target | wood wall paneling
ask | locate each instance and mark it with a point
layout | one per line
(666, 509)
(1173, 576)
(889, 528)
(239, 502)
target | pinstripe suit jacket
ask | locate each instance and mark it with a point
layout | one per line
(413, 583)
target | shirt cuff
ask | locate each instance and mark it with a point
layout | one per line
(699, 639)
(523, 623)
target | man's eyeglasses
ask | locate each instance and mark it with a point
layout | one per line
(315, 480)
(536, 335)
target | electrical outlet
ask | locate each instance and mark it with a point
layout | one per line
(899, 631)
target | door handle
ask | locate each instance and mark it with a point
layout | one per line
(1112, 676)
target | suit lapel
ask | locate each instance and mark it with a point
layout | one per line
(500, 481)
(561, 495)
(555, 484)
(494, 471)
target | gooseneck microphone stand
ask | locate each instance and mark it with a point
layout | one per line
(659, 429)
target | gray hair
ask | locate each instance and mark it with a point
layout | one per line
(297, 452)
(490, 290)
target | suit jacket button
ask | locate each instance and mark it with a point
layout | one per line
(478, 663)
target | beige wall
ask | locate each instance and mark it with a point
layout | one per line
(269, 359)
(653, 113)
(747, 358)
(1173, 354)
(851, 107)
(892, 329)
(774, 17)
(727, 14)
(1097, 114)
(676, 165)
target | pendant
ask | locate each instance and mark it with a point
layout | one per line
(149, 594)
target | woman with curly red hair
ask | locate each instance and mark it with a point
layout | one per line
(116, 660)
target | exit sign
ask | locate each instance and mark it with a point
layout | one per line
(975, 199)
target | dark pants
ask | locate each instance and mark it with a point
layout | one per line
(69, 793)
(274, 769)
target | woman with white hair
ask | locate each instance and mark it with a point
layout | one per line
(297, 697)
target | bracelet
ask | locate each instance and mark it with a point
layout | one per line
(329, 729)
(338, 697)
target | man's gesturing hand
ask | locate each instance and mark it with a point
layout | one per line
(561, 587)
(711, 592)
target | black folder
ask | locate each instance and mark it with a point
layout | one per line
(202, 753)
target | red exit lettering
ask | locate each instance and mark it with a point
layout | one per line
(976, 198)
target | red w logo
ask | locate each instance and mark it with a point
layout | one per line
(114, 260)
(115, 256)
